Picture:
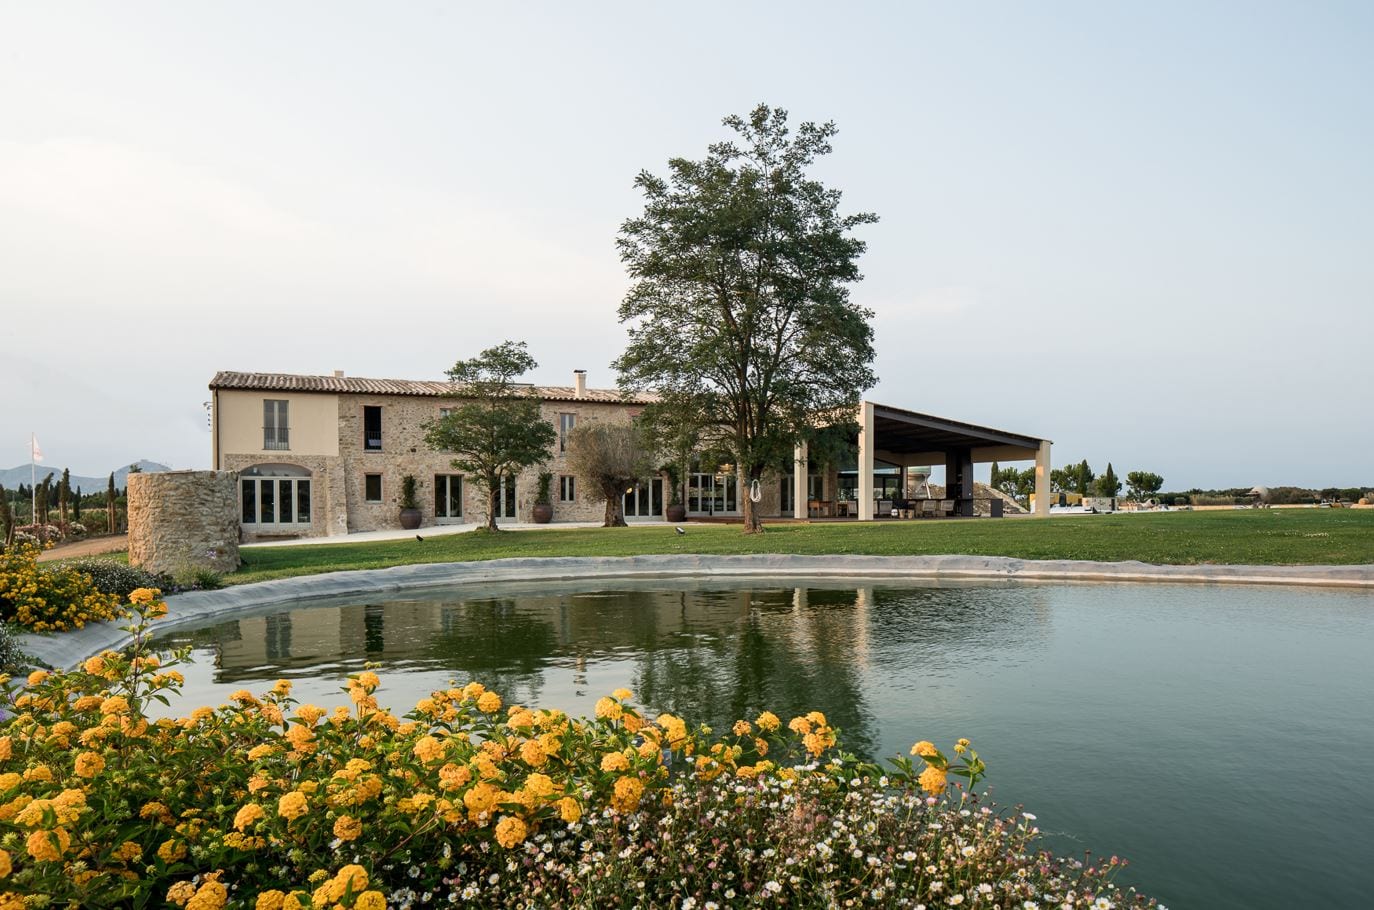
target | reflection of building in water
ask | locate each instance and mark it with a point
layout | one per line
(307, 636)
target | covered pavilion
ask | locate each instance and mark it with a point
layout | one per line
(909, 439)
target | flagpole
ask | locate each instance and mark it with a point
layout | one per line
(33, 488)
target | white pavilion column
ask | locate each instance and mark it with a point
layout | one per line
(1042, 479)
(866, 447)
(800, 459)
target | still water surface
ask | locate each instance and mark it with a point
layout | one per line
(1220, 738)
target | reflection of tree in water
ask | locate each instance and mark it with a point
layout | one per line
(788, 651)
(498, 643)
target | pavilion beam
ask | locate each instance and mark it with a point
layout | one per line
(1042, 480)
(801, 460)
(867, 446)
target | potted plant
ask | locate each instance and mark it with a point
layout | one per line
(676, 511)
(543, 507)
(410, 510)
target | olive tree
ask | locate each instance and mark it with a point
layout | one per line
(739, 313)
(608, 458)
(494, 428)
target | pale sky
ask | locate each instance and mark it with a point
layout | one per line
(1143, 231)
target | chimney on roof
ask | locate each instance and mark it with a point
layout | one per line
(338, 374)
(579, 383)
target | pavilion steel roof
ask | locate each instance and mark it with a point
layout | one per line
(916, 432)
(357, 385)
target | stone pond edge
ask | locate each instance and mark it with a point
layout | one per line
(71, 648)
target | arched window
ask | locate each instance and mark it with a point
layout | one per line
(274, 496)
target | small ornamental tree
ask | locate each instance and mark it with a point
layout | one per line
(76, 505)
(64, 494)
(1143, 484)
(1107, 485)
(739, 315)
(608, 458)
(494, 429)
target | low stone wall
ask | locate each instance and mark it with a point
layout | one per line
(182, 520)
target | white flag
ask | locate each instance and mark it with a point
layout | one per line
(37, 452)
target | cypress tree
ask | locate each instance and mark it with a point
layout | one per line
(64, 493)
(1107, 484)
(6, 518)
(76, 505)
(111, 526)
(994, 476)
(1084, 475)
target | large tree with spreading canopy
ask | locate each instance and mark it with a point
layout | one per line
(739, 314)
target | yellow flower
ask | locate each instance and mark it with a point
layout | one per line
(925, 748)
(171, 851)
(180, 893)
(742, 728)
(115, 704)
(352, 876)
(370, 900)
(260, 752)
(623, 694)
(510, 831)
(247, 815)
(143, 595)
(961, 746)
(309, 714)
(5, 864)
(768, 721)
(89, 764)
(453, 777)
(95, 666)
(211, 896)
(128, 852)
(609, 708)
(569, 810)
(614, 761)
(48, 845)
(533, 753)
(489, 703)
(368, 680)
(816, 718)
(293, 805)
(799, 725)
(37, 677)
(429, 749)
(628, 791)
(270, 900)
(347, 828)
(933, 780)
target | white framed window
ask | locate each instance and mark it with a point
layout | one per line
(274, 496)
(566, 422)
(567, 488)
(276, 432)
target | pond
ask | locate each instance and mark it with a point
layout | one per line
(1219, 738)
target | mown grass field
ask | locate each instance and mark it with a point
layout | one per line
(1261, 537)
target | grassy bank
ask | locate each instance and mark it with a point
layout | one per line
(1269, 537)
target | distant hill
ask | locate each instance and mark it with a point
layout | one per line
(13, 477)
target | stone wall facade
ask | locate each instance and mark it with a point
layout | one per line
(338, 482)
(181, 520)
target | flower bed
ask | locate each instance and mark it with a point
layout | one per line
(49, 599)
(270, 804)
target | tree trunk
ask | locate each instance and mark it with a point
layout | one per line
(493, 497)
(752, 524)
(615, 510)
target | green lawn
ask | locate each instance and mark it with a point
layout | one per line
(1266, 537)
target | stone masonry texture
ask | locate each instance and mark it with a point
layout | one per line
(181, 520)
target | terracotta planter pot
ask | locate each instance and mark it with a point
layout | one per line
(543, 513)
(675, 512)
(410, 519)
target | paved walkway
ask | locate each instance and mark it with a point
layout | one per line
(93, 546)
(435, 531)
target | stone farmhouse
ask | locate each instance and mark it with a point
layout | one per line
(321, 456)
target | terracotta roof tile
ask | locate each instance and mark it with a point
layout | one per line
(357, 385)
